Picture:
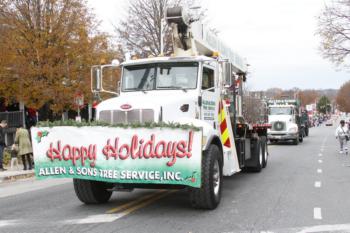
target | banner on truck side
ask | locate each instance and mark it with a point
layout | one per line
(148, 156)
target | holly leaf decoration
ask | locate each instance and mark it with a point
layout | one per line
(45, 133)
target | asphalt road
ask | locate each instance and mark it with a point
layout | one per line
(305, 188)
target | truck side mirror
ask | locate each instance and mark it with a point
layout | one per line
(110, 78)
(105, 78)
(96, 79)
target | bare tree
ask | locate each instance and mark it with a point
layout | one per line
(141, 32)
(273, 93)
(254, 106)
(343, 97)
(254, 109)
(334, 30)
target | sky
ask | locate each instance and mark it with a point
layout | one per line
(277, 37)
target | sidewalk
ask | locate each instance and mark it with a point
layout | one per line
(15, 174)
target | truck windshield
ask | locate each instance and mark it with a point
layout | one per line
(160, 76)
(280, 111)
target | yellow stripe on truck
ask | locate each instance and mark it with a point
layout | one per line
(225, 135)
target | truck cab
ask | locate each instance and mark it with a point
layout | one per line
(164, 89)
(285, 121)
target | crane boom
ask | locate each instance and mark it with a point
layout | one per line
(192, 38)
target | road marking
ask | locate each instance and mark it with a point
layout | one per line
(4, 223)
(28, 185)
(146, 203)
(317, 213)
(98, 218)
(319, 170)
(312, 229)
(127, 205)
(320, 161)
(320, 154)
(111, 215)
(318, 184)
(326, 228)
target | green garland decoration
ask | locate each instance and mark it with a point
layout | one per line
(148, 125)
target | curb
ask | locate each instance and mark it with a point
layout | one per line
(14, 177)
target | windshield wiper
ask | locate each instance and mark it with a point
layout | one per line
(173, 87)
(135, 89)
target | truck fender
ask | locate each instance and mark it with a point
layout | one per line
(215, 139)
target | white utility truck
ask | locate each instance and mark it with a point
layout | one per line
(200, 85)
(285, 121)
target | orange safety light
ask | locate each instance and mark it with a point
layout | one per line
(215, 54)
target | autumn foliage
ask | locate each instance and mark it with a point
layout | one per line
(343, 97)
(308, 97)
(46, 50)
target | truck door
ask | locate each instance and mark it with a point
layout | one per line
(210, 94)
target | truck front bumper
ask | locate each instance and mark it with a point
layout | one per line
(282, 136)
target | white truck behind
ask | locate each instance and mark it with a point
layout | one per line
(285, 121)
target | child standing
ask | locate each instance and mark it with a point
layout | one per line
(14, 154)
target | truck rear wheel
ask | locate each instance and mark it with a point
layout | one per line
(92, 192)
(208, 196)
(264, 149)
(257, 156)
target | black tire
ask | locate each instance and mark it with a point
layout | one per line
(301, 137)
(296, 141)
(92, 192)
(258, 157)
(265, 151)
(208, 196)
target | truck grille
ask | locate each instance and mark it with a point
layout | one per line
(278, 126)
(125, 117)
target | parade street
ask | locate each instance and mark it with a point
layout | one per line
(304, 188)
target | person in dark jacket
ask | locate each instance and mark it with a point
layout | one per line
(3, 124)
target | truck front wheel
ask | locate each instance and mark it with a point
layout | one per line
(208, 196)
(301, 137)
(296, 141)
(92, 192)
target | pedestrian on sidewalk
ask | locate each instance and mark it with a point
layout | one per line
(342, 134)
(24, 147)
(3, 124)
